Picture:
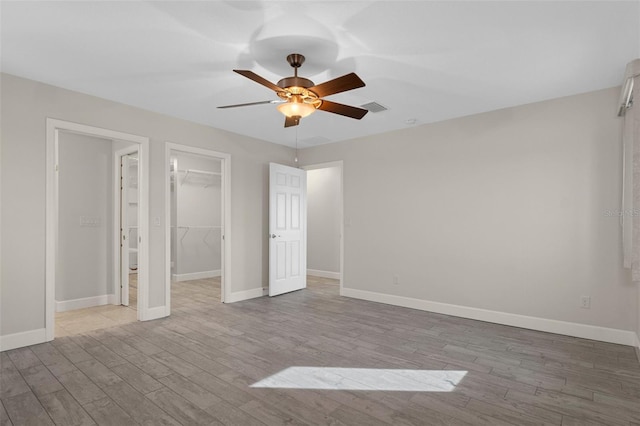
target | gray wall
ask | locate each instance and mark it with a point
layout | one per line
(504, 211)
(323, 219)
(25, 106)
(85, 256)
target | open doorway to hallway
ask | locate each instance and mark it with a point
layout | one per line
(98, 194)
(83, 229)
(324, 227)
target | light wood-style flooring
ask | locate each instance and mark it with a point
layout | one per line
(79, 321)
(205, 363)
(133, 291)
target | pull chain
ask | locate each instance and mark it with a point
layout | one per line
(296, 157)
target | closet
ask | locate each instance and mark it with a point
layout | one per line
(196, 217)
(129, 223)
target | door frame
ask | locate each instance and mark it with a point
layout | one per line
(53, 129)
(225, 188)
(117, 216)
(340, 165)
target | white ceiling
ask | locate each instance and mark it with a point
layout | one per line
(425, 61)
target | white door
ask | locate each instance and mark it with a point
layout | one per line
(128, 222)
(287, 229)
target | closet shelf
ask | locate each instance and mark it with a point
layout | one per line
(201, 227)
(201, 177)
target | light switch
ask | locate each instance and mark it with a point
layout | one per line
(156, 221)
(89, 221)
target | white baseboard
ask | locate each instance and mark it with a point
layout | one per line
(637, 346)
(238, 296)
(323, 274)
(196, 275)
(610, 335)
(154, 313)
(25, 338)
(85, 302)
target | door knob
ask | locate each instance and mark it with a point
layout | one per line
(274, 235)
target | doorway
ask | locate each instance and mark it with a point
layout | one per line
(198, 221)
(82, 244)
(325, 224)
(126, 212)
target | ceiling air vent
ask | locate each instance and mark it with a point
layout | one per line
(374, 107)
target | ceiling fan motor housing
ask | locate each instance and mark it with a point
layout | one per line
(295, 81)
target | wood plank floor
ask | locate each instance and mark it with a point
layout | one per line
(199, 365)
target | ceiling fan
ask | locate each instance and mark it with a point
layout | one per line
(300, 97)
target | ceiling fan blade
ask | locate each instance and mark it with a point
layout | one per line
(342, 109)
(291, 121)
(250, 104)
(260, 80)
(337, 85)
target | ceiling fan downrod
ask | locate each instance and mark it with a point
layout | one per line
(295, 60)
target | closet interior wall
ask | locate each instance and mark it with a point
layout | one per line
(196, 220)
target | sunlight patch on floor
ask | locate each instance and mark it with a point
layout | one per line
(332, 378)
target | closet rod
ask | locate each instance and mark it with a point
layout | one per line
(202, 227)
(202, 172)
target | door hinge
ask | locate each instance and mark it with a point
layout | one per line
(57, 168)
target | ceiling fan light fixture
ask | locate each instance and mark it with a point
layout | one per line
(296, 107)
(302, 96)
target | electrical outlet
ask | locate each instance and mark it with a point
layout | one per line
(585, 302)
(396, 280)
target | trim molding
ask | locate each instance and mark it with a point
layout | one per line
(238, 296)
(155, 313)
(196, 275)
(610, 335)
(85, 302)
(323, 274)
(22, 339)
